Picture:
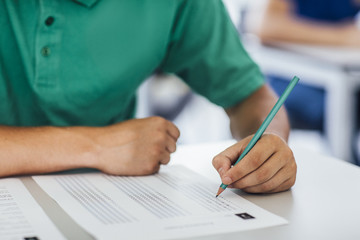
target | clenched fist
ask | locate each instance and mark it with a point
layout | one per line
(135, 147)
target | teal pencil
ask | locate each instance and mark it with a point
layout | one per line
(264, 125)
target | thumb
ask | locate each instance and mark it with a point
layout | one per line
(221, 163)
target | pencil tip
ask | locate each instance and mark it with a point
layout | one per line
(219, 192)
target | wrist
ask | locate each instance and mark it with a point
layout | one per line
(89, 147)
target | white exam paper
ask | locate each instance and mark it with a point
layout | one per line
(20, 216)
(174, 203)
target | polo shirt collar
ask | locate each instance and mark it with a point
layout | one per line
(87, 3)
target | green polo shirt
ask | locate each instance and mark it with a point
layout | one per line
(65, 62)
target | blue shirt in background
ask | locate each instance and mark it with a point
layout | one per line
(327, 10)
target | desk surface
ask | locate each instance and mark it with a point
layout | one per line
(323, 204)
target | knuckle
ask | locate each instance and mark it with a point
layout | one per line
(294, 166)
(173, 148)
(215, 161)
(290, 155)
(268, 139)
(267, 186)
(287, 159)
(292, 181)
(277, 140)
(161, 137)
(262, 175)
(156, 151)
(159, 120)
(177, 132)
(255, 162)
(166, 159)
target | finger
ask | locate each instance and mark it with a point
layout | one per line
(223, 161)
(164, 158)
(160, 152)
(280, 177)
(148, 167)
(170, 145)
(265, 172)
(172, 130)
(233, 152)
(262, 151)
(284, 186)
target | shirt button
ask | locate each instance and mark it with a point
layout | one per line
(45, 51)
(49, 21)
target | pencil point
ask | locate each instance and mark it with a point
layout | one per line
(220, 191)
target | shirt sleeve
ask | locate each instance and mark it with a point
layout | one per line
(206, 52)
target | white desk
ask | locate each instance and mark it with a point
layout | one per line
(335, 70)
(324, 203)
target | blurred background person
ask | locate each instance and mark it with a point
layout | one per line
(315, 22)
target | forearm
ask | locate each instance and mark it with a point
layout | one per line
(133, 147)
(280, 28)
(247, 116)
(280, 24)
(33, 150)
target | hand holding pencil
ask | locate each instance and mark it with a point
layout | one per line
(270, 165)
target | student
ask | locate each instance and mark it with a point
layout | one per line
(69, 71)
(317, 22)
